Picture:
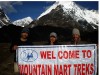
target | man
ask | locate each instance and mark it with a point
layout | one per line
(23, 40)
(53, 39)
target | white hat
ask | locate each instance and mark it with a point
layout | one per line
(53, 34)
(76, 31)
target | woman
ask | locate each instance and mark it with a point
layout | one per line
(53, 39)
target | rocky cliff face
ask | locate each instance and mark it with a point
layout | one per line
(4, 20)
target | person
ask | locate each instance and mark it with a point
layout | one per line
(76, 36)
(23, 40)
(53, 39)
(76, 39)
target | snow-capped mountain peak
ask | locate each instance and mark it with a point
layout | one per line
(75, 11)
(23, 22)
(65, 4)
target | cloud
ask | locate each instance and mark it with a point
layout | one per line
(8, 6)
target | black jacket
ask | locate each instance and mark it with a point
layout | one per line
(19, 43)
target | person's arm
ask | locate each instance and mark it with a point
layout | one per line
(13, 47)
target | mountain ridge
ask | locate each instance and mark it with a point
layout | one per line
(23, 22)
(4, 20)
(79, 13)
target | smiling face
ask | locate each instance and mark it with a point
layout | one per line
(52, 39)
(76, 37)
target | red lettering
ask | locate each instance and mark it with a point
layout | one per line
(43, 70)
(53, 57)
(66, 69)
(92, 69)
(83, 69)
(68, 54)
(59, 55)
(39, 66)
(75, 69)
(30, 71)
(49, 70)
(87, 53)
(79, 69)
(65, 55)
(77, 53)
(84, 52)
(43, 54)
(61, 70)
(56, 70)
(21, 69)
(34, 69)
(87, 69)
(47, 55)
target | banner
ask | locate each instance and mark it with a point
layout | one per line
(57, 60)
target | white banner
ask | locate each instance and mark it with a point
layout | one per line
(57, 60)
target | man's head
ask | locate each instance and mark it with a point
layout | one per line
(53, 37)
(76, 34)
(25, 33)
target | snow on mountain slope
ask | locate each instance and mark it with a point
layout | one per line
(23, 22)
(48, 10)
(4, 20)
(76, 11)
